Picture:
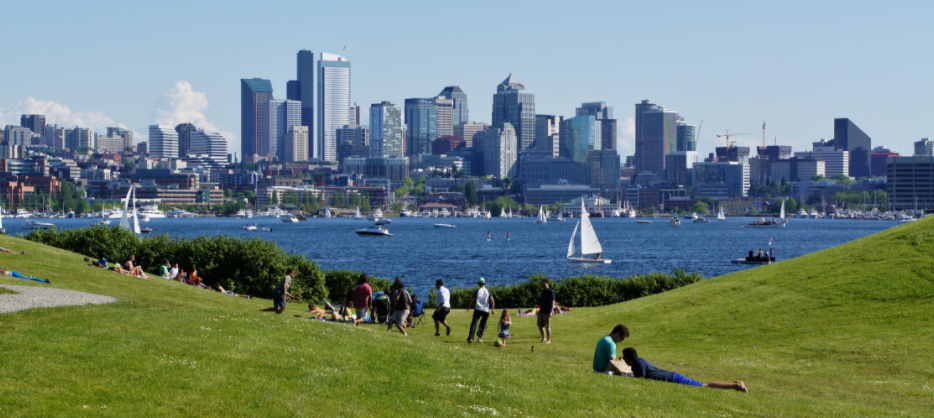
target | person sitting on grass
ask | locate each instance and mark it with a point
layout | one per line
(193, 278)
(164, 269)
(604, 359)
(12, 252)
(217, 287)
(173, 272)
(504, 322)
(99, 263)
(644, 369)
(134, 270)
(20, 276)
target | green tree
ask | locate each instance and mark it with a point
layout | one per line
(843, 179)
(470, 193)
(701, 208)
(506, 182)
(338, 200)
(649, 211)
(818, 177)
(456, 188)
(791, 206)
(274, 198)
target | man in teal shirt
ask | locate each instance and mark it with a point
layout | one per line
(606, 351)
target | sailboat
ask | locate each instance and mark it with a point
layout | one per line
(782, 214)
(2, 230)
(358, 216)
(720, 215)
(327, 212)
(502, 213)
(136, 229)
(124, 220)
(589, 243)
(510, 213)
(541, 216)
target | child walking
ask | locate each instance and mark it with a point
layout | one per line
(504, 322)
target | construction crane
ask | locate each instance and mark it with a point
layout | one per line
(763, 133)
(697, 134)
(728, 135)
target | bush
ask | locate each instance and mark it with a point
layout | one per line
(341, 282)
(251, 266)
(579, 291)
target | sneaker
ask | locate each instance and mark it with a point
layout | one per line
(469, 341)
(479, 340)
(449, 331)
(47, 281)
(437, 334)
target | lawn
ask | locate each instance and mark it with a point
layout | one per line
(847, 331)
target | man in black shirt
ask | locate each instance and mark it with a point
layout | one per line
(546, 309)
(644, 369)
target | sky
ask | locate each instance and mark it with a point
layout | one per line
(796, 65)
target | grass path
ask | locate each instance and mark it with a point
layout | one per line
(847, 331)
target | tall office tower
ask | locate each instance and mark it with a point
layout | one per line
(460, 112)
(386, 131)
(848, 137)
(687, 136)
(630, 161)
(421, 126)
(293, 90)
(184, 131)
(513, 105)
(80, 138)
(924, 148)
(500, 151)
(679, 166)
(306, 93)
(209, 143)
(253, 93)
(296, 143)
(604, 171)
(278, 115)
(358, 137)
(354, 114)
(127, 135)
(36, 123)
(576, 136)
(163, 141)
(467, 130)
(547, 130)
(55, 136)
(606, 124)
(333, 104)
(656, 136)
(599, 110)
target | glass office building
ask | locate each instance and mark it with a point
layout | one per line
(278, 116)
(577, 137)
(333, 104)
(253, 93)
(511, 104)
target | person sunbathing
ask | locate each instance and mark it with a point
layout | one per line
(12, 252)
(20, 276)
(217, 287)
(135, 270)
(644, 369)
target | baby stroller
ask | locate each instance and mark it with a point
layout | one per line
(381, 305)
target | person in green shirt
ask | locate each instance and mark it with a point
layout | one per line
(164, 269)
(605, 355)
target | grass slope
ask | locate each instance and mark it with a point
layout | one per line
(843, 332)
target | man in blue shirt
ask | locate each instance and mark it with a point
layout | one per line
(642, 368)
(606, 351)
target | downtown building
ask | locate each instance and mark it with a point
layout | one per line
(910, 183)
(577, 137)
(848, 137)
(656, 136)
(880, 160)
(723, 179)
(254, 92)
(835, 161)
(460, 113)
(468, 130)
(163, 141)
(333, 104)
(427, 120)
(548, 134)
(278, 116)
(500, 152)
(386, 131)
(209, 144)
(687, 136)
(604, 123)
(296, 143)
(513, 105)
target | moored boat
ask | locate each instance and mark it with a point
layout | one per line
(374, 230)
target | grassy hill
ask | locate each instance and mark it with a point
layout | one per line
(846, 331)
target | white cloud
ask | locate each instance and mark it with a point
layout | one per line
(181, 104)
(56, 113)
(626, 138)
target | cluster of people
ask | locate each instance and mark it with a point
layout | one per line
(166, 271)
(761, 255)
(127, 268)
(606, 361)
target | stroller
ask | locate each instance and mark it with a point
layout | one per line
(381, 305)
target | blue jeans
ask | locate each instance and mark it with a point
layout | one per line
(679, 378)
(481, 317)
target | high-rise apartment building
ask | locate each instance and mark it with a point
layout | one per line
(108, 144)
(36, 123)
(55, 137)
(547, 134)
(296, 143)
(207, 143)
(17, 135)
(80, 138)
(656, 136)
(577, 137)
(127, 135)
(835, 161)
(513, 105)
(386, 131)
(163, 141)
(848, 137)
(687, 136)
(467, 130)
(253, 93)
(306, 93)
(333, 104)
(460, 112)
(278, 116)
(500, 151)
(184, 131)
(924, 148)
(425, 121)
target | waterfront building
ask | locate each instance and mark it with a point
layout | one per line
(278, 116)
(333, 104)
(163, 141)
(425, 121)
(513, 105)
(208, 143)
(880, 156)
(604, 171)
(500, 151)
(548, 134)
(184, 138)
(577, 137)
(721, 179)
(549, 194)
(924, 148)
(679, 167)
(460, 113)
(656, 136)
(848, 137)
(386, 131)
(253, 93)
(835, 161)
(467, 130)
(687, 136)
(592, 204)
(910, 183)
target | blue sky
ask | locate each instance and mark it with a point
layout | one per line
(796, 65)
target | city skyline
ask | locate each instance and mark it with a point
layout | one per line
(756, 69)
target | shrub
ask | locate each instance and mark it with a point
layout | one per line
(251, 266)
(341, 282)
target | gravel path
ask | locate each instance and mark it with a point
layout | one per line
(45, 297)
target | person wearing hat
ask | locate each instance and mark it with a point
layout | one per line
(164, 269)
(483, 306)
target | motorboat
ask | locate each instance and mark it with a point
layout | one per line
(289, 219)
(374, 230)
(384, 221)
(31, 224)
(813, 214)
(146, 230)
(103, 221)
(263, 228)
(643, 222)
(151, 212)
(801, 214)
(358, 216)
(598, 214)
(764, 223)
(144, 218)
(589, 244)
(444, 226)
(674, 221)
(754, 260)
(405, 213)
(444, 213)
(22, 213)
(541, 216)
(692, 216)
(701, 220)
(250, 227)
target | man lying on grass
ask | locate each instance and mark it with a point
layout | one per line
(644, 369)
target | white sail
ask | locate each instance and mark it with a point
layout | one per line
(589, 242)
(571, 249)
(782, 215)
(721, 216)
(124, 220)
(1, 217)
(136, 229)
(502, 213)
(510, 213)
(327, 212)
(541, 215)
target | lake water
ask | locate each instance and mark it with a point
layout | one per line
(420, 253)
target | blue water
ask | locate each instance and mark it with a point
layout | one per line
(420, 253)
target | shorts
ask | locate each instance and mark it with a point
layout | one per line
(399, 317)
(441, 314)
(360, 313)
(679, 378)
(544, 321)
(278, 299)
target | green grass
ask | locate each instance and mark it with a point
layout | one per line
(5, 291)
(846, 331)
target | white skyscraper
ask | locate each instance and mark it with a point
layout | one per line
(209, 143)
(500, 151)
(386, 130)
(163, 141)
(278, 116)
(333, 104)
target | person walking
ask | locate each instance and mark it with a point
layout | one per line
(483, 306)
(444, 308)
(362, 299)
(282, 292)
(546, 310)
(402, 303)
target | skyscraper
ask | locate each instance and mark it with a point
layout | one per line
(36, 123)
(184, 131)
(293, 90)
(163, 141)
(467, 130)
(656, 136)
(576, 138)
(847, 136)
(306, 93)
(604, 171)
(296, 143)
(605, 123)
(421, 126)
(333, 104)
(209, 143)
(500, 151)
(511, 104)
(253, 93)
(460, 112)
(386, 131)
(278, 116)
(687, 136)
(547, 134)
